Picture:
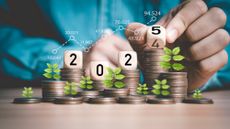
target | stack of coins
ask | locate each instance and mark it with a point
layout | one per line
(52, 90)
(72, 75)
(151, 65)
(98, 85)
(131, 80)
(131, 100)
(68, 100)
(178, 83)
(112, 92)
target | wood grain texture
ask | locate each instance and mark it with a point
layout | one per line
(116, 116)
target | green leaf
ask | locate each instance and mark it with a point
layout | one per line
(145, 92)
(156, 87)
(156, 92)
(164, 81)
(176, 50)
(73, 92)
(165, 87)
(144, 85)
(119, 76)
(165, 92)
(56, 76)
(47, 75)
(55, 66)
(88, 78)
(82, 82)
(82, 86)
(178, 58)
(89, 87)
(110, 71)
(177, 66)
(119, 84)
(57, 70)
(108, 77)
(167, 51)
(89, 82)
(108, 83)
(158, 82)
(117, 70)
(49, 66)
(48, 70)
(166, 58)
(165, 65)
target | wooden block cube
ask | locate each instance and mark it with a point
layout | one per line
(156, 36)
(98, 69)
(73, 59)
(128, 60)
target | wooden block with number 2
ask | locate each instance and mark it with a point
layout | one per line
(128, 60)
(156, 36)
(73, 59)
(98, 69)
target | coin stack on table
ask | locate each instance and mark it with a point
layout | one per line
(151, 65)
(178, 83)
(52, 90)
(72, 75)
(131, 80)
(112, 92)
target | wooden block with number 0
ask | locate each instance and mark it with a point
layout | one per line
(73, 59)
(156, 36)
(128, 60)
(98, 69)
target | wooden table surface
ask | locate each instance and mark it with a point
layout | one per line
(114, 116)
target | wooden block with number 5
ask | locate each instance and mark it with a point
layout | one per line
(128, 60)
(73, 59)
(98, 69)
(156, 36)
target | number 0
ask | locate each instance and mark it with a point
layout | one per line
(99, 69)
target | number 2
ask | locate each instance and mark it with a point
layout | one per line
(127, 63)
(74, 59)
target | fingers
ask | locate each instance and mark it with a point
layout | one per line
(189, 13)
(206, 68)
(136, 34)
(210, 45)
(201, 28)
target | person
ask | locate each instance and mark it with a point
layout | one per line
(30, 30)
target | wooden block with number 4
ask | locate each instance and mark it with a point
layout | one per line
(156, 36)
(128, 60)
(98, 69)
(73, 59)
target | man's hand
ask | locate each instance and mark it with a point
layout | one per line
(106, 49)
(200, 32)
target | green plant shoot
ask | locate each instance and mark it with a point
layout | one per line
(142, 89)
(114, 78)
(70, 88)
(160, 88)
(52, 72)
(171, 60)
(86, 83)
(197, 94)
(27, 92)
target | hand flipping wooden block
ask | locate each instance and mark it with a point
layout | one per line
(73, 59)
(156, 36)
(128, 60)
(98, 69)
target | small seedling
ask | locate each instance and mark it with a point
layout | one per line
(27, 92)
(142, 89)
(114, 78)
(171, 59)
(52, 72)
(161, 88)
(197, 94)
(86, 83)
(70, 88)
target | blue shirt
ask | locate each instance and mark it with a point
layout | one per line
(32, 31)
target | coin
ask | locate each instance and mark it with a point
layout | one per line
(68, 100)
(198, 101)
(112, 92)
(27, 100)
(102, 100)
(90, 93)
(131, 100)
(160, 100)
